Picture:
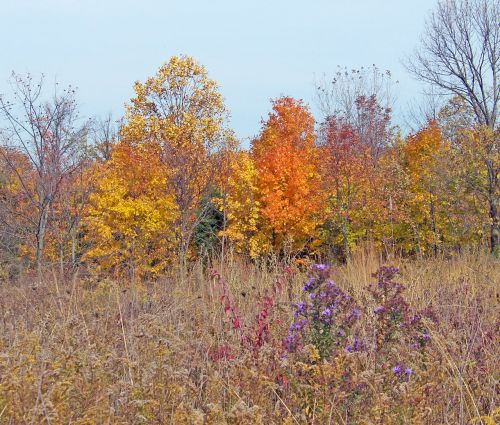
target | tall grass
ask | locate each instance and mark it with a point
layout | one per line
(206, 349)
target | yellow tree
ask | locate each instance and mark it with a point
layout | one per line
(129, 220)
(287, 175)
(180, 111)
(245, 227)
(427, 166)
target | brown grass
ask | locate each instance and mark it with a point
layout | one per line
(88, 352)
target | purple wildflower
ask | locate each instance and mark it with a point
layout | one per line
(397, 369)
(298, 325)
(355, 313)
(309, 286)
(289, 343)
(357, 345)
(379, 309)
(300, 307)
(408, 371)
(320, 267)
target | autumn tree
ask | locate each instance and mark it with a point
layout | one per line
(287, 175)
(469, 158)
(347, 178)
(181, 111)
(15, 214)
(460, 56)
(129, 221)
(245, 227)
(64, 244)
(104, 132)
(426, 154)
(48, 133)
(363, 99)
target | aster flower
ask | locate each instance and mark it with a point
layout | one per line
(299, 308)
(355, 313)
(309, 286)
(349, 349)
(397, 369)
(357, 345)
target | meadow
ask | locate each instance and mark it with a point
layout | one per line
(213, 346)
(340, 266)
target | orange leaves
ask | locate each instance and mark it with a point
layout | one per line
(287, 174)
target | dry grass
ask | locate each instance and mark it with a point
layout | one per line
(87, 352)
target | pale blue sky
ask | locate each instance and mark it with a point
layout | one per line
(255, 50)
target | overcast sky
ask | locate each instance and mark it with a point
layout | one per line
(255, 50)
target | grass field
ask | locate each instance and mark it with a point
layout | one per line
(208, 348)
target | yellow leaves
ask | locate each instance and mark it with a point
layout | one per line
(181, 113)
(243, 208)
(129, 219)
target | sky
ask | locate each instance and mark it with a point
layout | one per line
(255, 50)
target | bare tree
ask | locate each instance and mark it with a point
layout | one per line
(420, 112)
(105, 134)
(337, 95)
(362, 98)
(460, 55)
(13, 223)
(46, 132)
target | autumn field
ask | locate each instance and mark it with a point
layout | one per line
(340, 265)
(214, 347)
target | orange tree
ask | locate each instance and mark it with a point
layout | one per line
(288, 181)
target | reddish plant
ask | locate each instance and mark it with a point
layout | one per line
(256, 334)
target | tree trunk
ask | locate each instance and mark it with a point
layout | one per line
(494, 230)
(434, 228)
(61, 260)
(73, 249)
(40, 242)
(345, 240)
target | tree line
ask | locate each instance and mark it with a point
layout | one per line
(170, 181)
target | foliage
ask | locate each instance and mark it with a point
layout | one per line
(347, 175)
(129, 219)
(246, 227)
(182, 114)
(210, 222)
(287, 175)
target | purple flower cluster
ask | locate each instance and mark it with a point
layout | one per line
(402, 372)
(356, 345)
(325, 316)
